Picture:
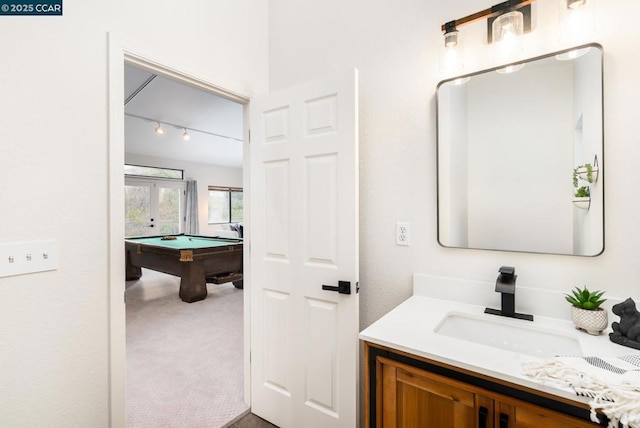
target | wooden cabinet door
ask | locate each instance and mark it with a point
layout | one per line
(532, 416)
(413, 398)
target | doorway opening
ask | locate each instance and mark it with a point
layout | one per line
(184, 361)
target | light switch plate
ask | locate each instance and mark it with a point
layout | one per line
(19, 258)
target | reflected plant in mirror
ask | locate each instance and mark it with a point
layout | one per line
(508, 145)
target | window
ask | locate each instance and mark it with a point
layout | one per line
(152, 171)
(225, 205)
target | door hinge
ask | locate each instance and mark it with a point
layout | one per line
(124, 297)
(249, 136)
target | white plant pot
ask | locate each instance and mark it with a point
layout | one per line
(582, 202)
(593, 322)
(584, 175)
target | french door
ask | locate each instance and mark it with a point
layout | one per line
(154, 206)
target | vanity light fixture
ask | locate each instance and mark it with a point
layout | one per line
(577, 20)
(506, 22)
(451, 50)
(507, 31)
(159, 129)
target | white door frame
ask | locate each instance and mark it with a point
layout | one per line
(121, 53)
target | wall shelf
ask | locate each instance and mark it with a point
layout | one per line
(583, 202)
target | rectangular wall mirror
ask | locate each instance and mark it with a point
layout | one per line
(514, 150)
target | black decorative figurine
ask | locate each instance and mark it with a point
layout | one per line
(627, 331)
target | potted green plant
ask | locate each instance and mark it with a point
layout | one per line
(582, 195)
(586, 312)
(583, 172)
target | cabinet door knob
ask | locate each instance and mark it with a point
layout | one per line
(483, 414)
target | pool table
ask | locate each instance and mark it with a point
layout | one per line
(195, 259)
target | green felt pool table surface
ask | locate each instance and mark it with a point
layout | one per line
(185, 242)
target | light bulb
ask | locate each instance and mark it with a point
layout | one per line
(185, 135)
(159, 129)
(451, 61)
(576, 21)
(451, 39)
(507, 30)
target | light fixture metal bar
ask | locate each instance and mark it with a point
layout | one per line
(183, 127)
(137, 91)
(487, 13)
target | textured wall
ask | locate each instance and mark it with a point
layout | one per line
(54, 326)
(395, 47)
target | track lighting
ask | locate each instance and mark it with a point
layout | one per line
(186, 132)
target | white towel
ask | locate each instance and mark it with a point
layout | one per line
(612, 384)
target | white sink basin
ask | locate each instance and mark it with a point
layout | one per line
(510, 334)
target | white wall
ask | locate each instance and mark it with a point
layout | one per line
(394, 45)
(206, 175)
(54, 348)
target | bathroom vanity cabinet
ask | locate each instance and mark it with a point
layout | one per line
(404, 390)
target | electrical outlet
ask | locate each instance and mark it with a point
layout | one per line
(402, 234)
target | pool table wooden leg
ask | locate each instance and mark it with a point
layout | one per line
(132, 272)
(193, 286)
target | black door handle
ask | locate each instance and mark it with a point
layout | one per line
(344, 287)
(483, 414)
(504, 420)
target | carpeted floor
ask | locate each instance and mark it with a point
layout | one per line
(184, 360)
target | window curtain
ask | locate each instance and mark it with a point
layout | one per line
(191, 224)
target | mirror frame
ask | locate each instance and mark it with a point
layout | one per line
(601, 175)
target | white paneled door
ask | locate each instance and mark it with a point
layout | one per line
(304, 235)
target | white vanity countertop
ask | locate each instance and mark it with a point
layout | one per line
(410, 328)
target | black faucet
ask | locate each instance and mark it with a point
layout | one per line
(506, 286)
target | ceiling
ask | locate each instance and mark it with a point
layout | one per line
(214, 124)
